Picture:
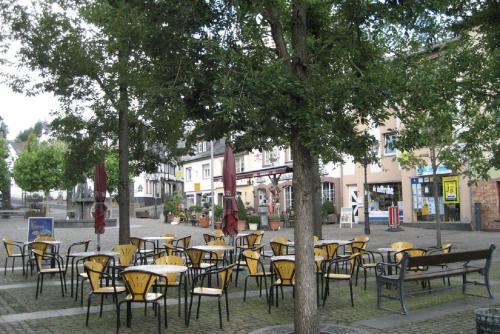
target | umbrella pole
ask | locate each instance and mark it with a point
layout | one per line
(98, 242)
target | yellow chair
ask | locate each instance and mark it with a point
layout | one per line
(278, 248)
(218, 234)
(39, 247)
(249, 242)
(315, 238)
(183, 243)
(10, 245)
(126, 255)
(254, 263)
(208, 237)
(260, 236)
(197, 263)
(143, 252)
(105, 260)
(139, 284)
(199, 289)
(172, 280)
(398, 256)
(95, 273)
(321, 252)
(401, 245)
(83, 245)
(169, 243)
(363, 238)
(285, 274)
(349, 265)
(366, 260)
(330, 249)
(218, 256)
(39, 257)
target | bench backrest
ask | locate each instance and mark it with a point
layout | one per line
(454, 257)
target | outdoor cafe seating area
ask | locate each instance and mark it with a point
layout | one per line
(149, 266)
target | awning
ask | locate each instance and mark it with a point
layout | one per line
(260, 173)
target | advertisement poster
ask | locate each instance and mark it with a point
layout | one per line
(40, 226)
(450, 190)
(346, 215)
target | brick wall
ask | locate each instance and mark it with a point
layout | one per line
(487, 193)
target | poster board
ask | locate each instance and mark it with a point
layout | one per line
(40, 226)
(450, 190)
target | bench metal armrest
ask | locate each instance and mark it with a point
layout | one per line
(380, 268)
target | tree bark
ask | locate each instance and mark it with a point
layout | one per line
(435, 187)
(316, 198)
(123, 148)
(6, 204)
(306, 310)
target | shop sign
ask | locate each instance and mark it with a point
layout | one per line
(427, 170)
(450, 190)
(384, 189)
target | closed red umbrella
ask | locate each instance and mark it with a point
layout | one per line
(230, 226)
(100, 185)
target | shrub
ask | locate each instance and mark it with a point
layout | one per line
(328, 208)
(242, 211)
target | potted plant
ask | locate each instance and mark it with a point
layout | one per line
(171, 207)
(274, 222)
(204, 218)
(242, 215)
(218, 211)
(328, 212)
(253, 222)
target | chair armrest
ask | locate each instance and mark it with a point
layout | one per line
(380, 268)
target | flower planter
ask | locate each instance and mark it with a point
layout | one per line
(204, 221)
(242, 225)
(253, 226)
(274, 225)
(218, 225)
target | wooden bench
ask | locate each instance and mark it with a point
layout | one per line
(443, 265)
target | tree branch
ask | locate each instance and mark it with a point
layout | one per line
(271, 15)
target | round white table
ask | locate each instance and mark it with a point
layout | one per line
(292, 257)
(157, 240)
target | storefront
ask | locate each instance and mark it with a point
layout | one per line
(381, 196)
(423, 204)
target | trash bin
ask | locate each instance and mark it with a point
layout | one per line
(488, 320)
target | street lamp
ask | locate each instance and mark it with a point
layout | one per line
(370, 156)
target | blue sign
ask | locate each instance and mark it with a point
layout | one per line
(427, 170)
(40, 226)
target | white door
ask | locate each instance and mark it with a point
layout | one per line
(353, 201)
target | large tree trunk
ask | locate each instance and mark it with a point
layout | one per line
(435, 187)
(6, 197)
(317, 198)
(306, 311)
(123, 182)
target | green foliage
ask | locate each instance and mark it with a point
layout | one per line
(253, 219)
(218, 212)
(35, 130)
(242, 211)
(274, 217)
(112, 171)
(172, 204)
(4, 168)
(40, 166)
(328, 208)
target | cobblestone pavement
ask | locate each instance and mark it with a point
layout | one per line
(50, 313)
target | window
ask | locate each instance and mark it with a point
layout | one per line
(389, 144)
(201, 147)
(240, 164)
(270, 157)
(188, 174)
(205, 174)
(327, 192)
(189, 201)
(288, 198)
(288, 154)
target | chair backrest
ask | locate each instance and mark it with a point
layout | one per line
(100, 258)
(364, 238)
(225, 275)
(398, 256)
(446, 248)
(315, 238)
(260, 236)
(184, 242)
(401, 244)
(38, 249)
(217, 242)
(218, 234)
(168, 242)
(251, 240)
(168, 235)
(285, 270)
(173, 260)
(126, 254)
(252, 258)
(83, 244)
(208, 237)
(352, 263)
(356, 244)
(94, 272)
(280, 239)
(278, 248)
(330, 249)
(318, 251)
(195, 257)
(138, 283)
(9, 246)
(137, 242)
(45, 238)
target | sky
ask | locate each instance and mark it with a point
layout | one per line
(20, 112)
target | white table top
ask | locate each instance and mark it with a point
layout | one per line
(159, 269)
(50, 242)
(389, 249)
(158, 238)
(91, 253)
(292, 257)
(243, 234)
(322, 242)
(214, 248)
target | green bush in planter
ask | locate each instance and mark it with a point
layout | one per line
(327, 208)
(253, 219)
(274, 217)
(172, 204)
(218, 211)
(242, 211)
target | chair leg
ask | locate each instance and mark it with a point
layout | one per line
(5, 267)
(350, 290)
(220, 313)
(265, 287)
(364, 270)
(245, 289)
(270, 299)
(159, 317)
(100, 309)
(13, 261)
(37, 285)
(88, 310)
(325, 293)
(189, 313)
(41, 283)
(198, 307)
(227, 306)
(61, 277)
(118, 305)
(165, 307)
